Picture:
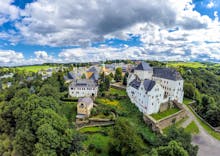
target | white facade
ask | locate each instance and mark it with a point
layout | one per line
(168, 86)
(83, 88)
(83, 91)
(147, 102)
(173, 89)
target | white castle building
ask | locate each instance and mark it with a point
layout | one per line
(149, 87)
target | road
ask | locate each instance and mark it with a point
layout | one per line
(208, 146)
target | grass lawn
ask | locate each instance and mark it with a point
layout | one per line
(114, 91)
(161, 115)
(192, 128)
(177, 124)
(99, 141)
(69, 110)
(33, 68)
(91, 129)
(187, 101)
(206, 127)
(187, 64)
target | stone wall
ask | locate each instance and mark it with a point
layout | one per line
(163, 123)
(164, 106)
(158, 125)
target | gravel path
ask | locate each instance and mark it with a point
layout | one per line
(208, 146)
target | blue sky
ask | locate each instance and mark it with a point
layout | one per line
(39, 31)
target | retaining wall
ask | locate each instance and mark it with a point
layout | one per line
(158, 125)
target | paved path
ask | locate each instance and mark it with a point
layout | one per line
(208, 146)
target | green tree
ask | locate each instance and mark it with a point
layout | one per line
(83, 76)
(125, 78)
(189, 90)
(173, 149)
(118, 74)
(182, 137)
(126, 141)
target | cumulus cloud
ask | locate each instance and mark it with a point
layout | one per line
(168, 29)
(8, 12)
(41, 55)
(210, 4)
(66, 23)
(10, 57)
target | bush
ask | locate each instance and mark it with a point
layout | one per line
(94, 112)
(91, 147)
(98, 150)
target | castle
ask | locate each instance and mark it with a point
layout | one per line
(149, 87)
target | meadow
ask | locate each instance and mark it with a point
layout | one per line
(187, 64)
(33, 68)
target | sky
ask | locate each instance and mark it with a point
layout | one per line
(64, 31)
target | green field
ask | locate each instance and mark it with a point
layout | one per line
(192, 128)
(177, 124)
(187, 101)
(91, 129)
(187, 64)
(113, 91)
(33, 68)
(161, 115)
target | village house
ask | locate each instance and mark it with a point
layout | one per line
(46, 73)
(149, 87)
(84, 107)
(83, 88)
(93, 73)
(10, 75)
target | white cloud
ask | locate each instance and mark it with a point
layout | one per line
(210, 4)
(10, 57)
(65, 23)
(41, 55)
(8, 12)
(68, 23)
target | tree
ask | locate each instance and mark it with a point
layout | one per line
(189, 90)
(118, 74)
(49, 90)
(126, 141)
(173, 149)
(125, 78)
(24, 141)
(183, 138)
(83, 76)
(107, 82)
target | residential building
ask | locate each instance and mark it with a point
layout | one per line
(83, 88)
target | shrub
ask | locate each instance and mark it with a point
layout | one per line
(98, 150)
(91, 147)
